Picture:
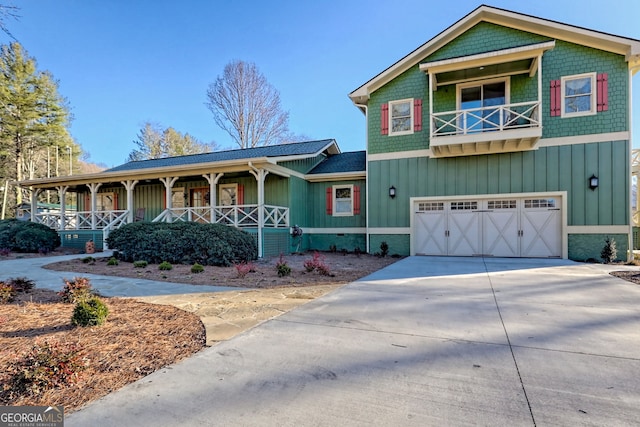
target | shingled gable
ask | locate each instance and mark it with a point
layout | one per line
(628, 47)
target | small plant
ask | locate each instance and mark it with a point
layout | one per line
(5, 251)
(244, 268)
(316, 264)
(78, 289)
(609, 251)
(88, 260)
(165, 266)
(7, 292)
(48, 365)
(333, 249)
(282, 268)
(384, 249)
(357, 251)
(112, 261)
(197, 268)
(22, 284)
(140, 264)
(43, 250)
(90, 312)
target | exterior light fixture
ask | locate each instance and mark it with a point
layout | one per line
(392, 191)
(593, 182)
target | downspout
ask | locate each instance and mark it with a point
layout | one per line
(366, 174)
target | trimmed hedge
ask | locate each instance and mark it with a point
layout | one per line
(183, 243)
(26, 236)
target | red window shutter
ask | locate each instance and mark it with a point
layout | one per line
(417, 115)
(356, 200)
(384, 119)
(556, 97)
(329, 201)
(240, 195)
(603, 92)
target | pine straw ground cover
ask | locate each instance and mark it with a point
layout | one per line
(136, 340)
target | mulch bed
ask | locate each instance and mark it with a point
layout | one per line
(136, 340)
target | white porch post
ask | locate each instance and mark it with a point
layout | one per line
(34, 203)
(93, 187)
(168, 185)
(260, 175)
(62, 193)
(129, 186)
(212, 179)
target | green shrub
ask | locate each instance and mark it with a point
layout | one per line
(140, 264)
(384, 249)
(112, 261)
(609, 251)
(197, 268)
(165, 266)
(282, 268)
(88, 260)
(47, 365)
(7, 292)
(27, 236)
(78, 289)
(90, 312)
(183, 243)
(22, 284)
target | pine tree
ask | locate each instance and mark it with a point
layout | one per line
(33, 116)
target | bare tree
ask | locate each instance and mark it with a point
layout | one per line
(247, 107)
(6, 12)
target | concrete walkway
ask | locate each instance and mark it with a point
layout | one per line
(426, 341)
(109, 286)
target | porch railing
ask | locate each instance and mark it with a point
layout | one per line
(236, 216)
(83, 220)
(485, 119)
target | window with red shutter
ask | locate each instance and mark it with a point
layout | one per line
(417, 115)
(384, 119)
(555, 97)
(603, 92)
(329, 200)
(356, 200)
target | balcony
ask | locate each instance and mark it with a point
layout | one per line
(486, 130)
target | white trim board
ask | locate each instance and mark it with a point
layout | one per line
(598, 229)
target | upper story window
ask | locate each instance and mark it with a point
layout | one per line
(401, 117)
(578, 95)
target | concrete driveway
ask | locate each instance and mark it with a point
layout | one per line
(426, 341)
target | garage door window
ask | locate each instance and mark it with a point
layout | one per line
(501, 204)
(430, 206)
(539, 203)
(464, 206)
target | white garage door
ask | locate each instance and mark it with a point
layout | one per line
(501, 227)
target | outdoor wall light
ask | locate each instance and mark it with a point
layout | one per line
(392, 191)
(593, 182)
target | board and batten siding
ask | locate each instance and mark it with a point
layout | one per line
(559, 168)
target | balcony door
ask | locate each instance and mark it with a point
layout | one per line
(479, 98)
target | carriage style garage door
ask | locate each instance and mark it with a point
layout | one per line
(501, 227)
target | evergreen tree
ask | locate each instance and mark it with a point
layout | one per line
(154, 142)
(33, 116)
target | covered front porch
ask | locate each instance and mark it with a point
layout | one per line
(252, 196)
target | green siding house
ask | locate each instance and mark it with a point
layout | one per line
(505, 135)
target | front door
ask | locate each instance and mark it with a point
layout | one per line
(199, 202)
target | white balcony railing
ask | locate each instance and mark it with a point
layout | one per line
(236, 216)
(486, 119)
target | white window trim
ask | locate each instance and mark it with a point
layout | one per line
(507, 89)
(594, 95)
(221, 188)
(336, 187)
(411, 112)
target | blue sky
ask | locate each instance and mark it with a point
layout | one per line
(122, 63)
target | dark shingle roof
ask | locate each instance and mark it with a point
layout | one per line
(295, 149)
(355, 161)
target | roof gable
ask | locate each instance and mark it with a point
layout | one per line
(355, 161)
(628, 47)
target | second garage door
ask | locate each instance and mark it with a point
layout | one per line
(501, 227)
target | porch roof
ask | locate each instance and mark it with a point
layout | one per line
(281, 150)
